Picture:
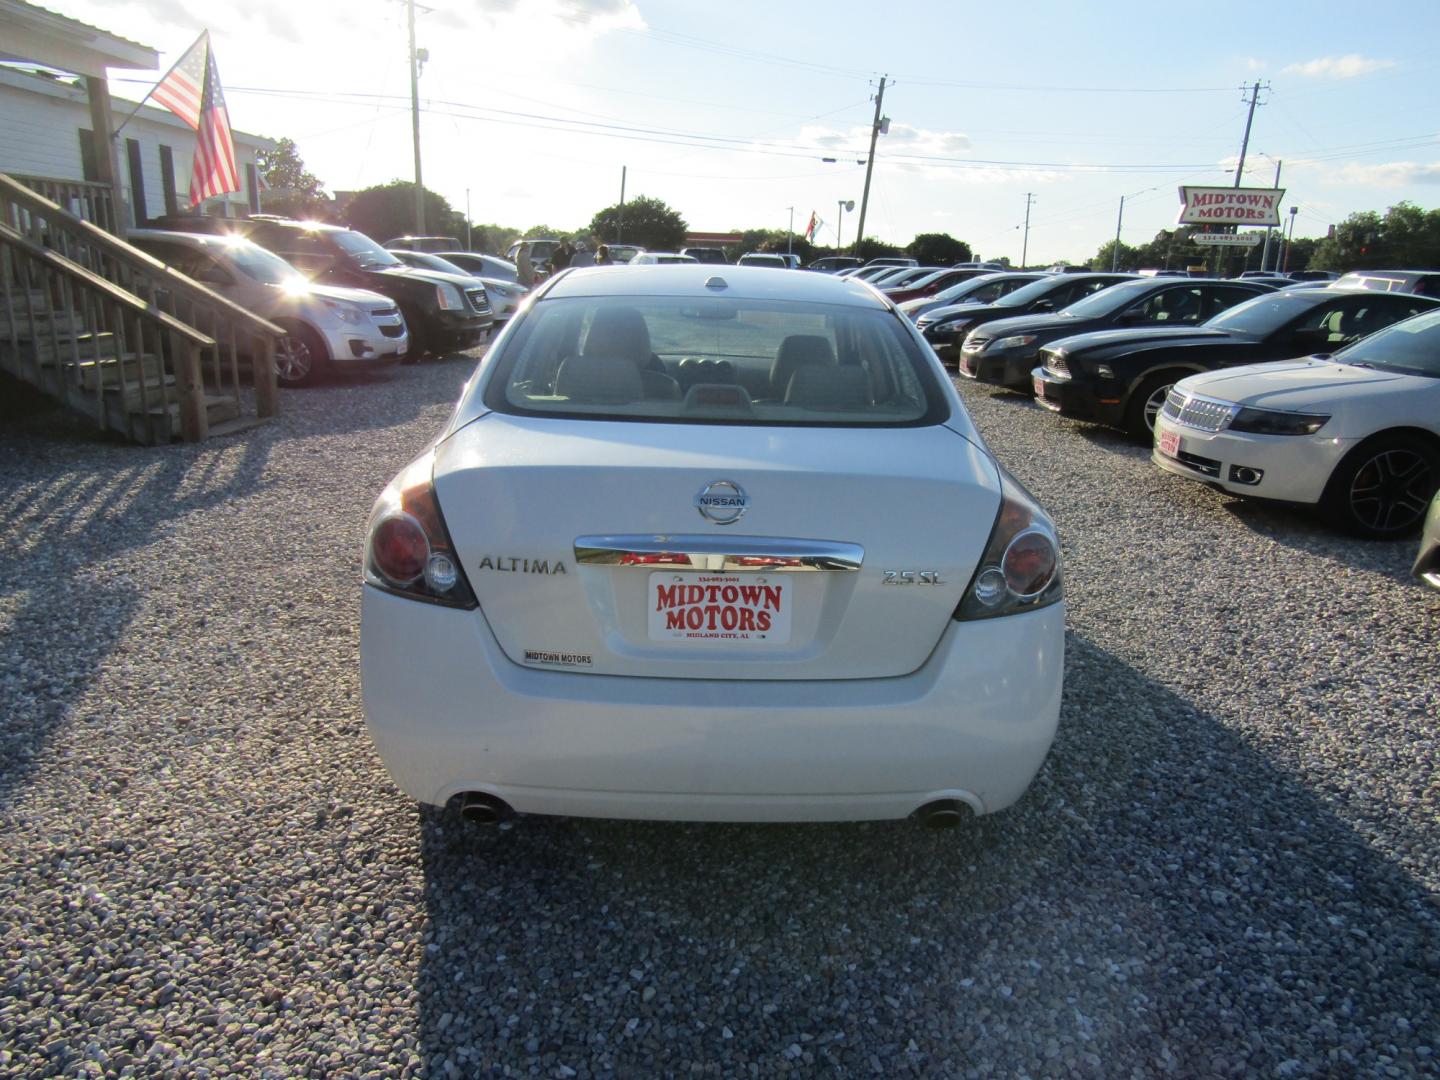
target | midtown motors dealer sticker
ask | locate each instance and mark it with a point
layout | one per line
(747, 609)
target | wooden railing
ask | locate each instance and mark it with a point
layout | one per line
(233, 331)
(96, 347)
(83, 198)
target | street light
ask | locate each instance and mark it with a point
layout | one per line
(1291, 241)
(841, 206)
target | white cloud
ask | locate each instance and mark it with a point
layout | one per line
(1252, 64)
(1382, 174)
(1338, 67)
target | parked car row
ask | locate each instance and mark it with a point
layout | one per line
(1207, 369)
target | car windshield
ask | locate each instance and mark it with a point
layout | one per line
(263, 266)
(1263, 315)
(1028, 294)
(1108, 301)
(1411, 347)
(435, 262)
(966, 289)
(715, 361)
(366, 252)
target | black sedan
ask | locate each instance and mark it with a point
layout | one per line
(1003, 352)
(1121, 377)
(945, 326)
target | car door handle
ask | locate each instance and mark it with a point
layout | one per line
(701, 552)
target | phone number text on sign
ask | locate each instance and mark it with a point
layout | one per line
(745, 608)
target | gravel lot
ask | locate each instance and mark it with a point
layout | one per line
(1229, 865)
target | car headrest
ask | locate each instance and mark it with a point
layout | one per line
(599, 380)
(798, 351)
(838, 389)
(619, 331)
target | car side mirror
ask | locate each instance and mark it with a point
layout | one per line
(1043, 305)
(1129, 318)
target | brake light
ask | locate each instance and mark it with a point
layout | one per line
(1020, 570)
(407, 547)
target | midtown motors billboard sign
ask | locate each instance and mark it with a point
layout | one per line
(1229, 206)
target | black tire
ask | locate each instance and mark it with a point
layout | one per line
(300, 356)
(1145, 403)
(1382, 489)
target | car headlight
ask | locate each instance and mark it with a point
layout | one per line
(1274, 422)
(952, 325)
(505, 289)
(346, 313)
(1019, 341)
(448, 297)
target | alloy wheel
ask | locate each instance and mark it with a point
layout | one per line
(1391, 491)
(293, 359)
(1154, 403)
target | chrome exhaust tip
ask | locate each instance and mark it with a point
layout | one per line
(481, 809)
(941, 814)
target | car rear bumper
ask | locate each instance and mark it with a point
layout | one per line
(449, 713)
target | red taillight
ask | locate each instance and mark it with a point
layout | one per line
(407, 548)
(1029, 563)
(1020, 569)
(399, 548)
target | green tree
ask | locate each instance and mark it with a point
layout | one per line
(388, 210)
(773, 240)
(646, 221)
(294, 190)
(1406, 236)
(1105, 258)
(938, 249)
(870, 248)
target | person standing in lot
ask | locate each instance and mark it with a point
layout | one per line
(583, 255)
(523, 270)
(602, 255)
(561, 256)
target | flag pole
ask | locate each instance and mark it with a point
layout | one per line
(183, 55)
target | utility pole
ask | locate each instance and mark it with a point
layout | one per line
(1221, 255)
(1115, 251)
(468, 246)
(620, 225)
(1025, 247)
(1270, 229)
(790, 236)
(870, 163)
(415, 120)
(1291, 242)
(1249, 119)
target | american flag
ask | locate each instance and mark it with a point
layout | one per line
(191, 90)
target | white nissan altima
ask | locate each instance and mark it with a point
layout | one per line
(1356, 434)
(711, 543)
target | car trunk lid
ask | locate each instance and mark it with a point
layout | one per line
(586, 550)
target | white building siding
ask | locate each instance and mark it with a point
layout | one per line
(40, 124)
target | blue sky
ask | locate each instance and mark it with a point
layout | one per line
(725, 111)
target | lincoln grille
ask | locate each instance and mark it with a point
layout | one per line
(1197, 412)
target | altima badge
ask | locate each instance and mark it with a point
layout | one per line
(723, 502)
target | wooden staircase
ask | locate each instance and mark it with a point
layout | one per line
(96, 324)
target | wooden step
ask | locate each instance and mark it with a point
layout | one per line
(43, 327)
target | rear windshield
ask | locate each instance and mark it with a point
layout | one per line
(715, 360)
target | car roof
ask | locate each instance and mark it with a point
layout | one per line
(689, 280)
(205, 240)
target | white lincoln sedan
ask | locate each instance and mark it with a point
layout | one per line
(1356, 434)
(711, 543)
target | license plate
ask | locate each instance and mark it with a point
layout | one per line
(1039, 385)
(1169, 443)
(744, 609)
